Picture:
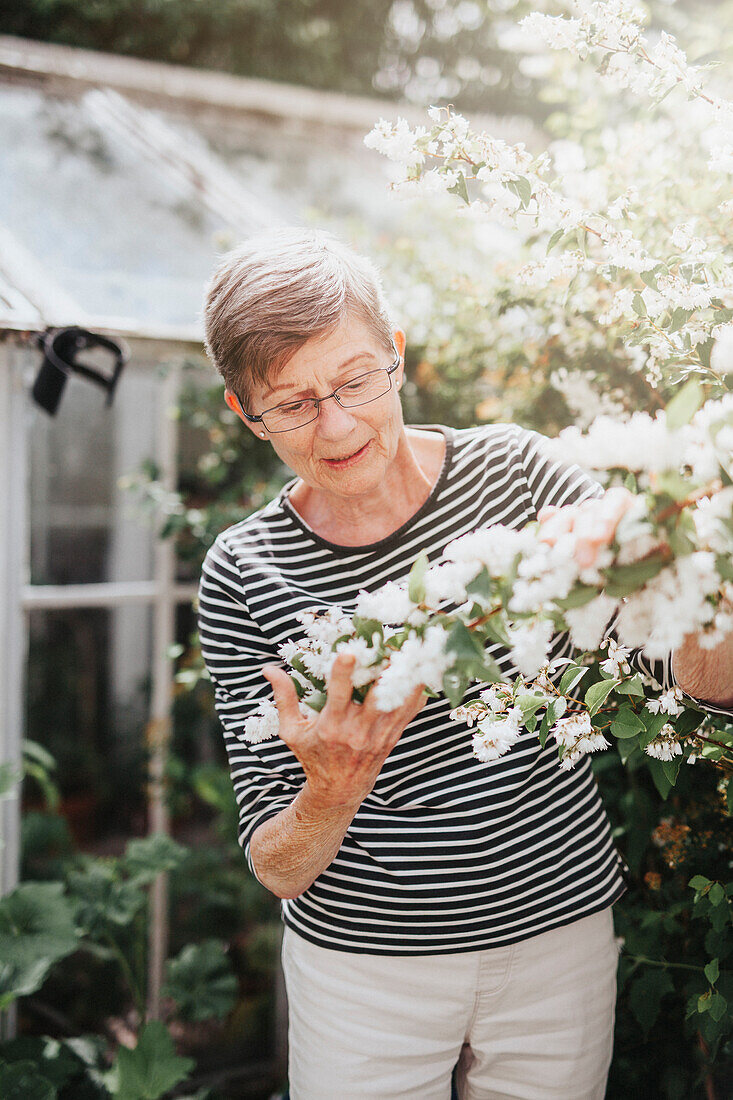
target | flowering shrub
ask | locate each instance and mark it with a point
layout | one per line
(613, 284)
(657, 564)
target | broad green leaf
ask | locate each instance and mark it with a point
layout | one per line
(716, 894)
(597, 694)
(712, 971)
(416, 580)
(579, 597)
(53, 1058)
(201, 981)
(625, 579)
(626, 723)
(480, 585)
(661, 782)
(24, 1081)
(684, 404)
(632, 686)
(463, 643)
(37, 928)
(671, 768)
(554, 240)
(571, 678)
(147, 857)
(646, 994)
(638, 305)
(459, 188)
(151, 1069)
(529, 704)
(718, 1005)
(699, 882)
(102, 897)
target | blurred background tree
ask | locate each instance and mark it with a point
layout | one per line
(423, 51)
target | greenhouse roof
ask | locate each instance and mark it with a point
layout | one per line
(123, 178)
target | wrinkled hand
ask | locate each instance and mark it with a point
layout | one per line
(592, 522)
(341, 748)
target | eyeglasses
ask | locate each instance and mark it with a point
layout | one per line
(357, 391)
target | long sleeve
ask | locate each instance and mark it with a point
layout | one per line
(234, 650)
(553, 482)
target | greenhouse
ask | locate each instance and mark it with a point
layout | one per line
(538, 583)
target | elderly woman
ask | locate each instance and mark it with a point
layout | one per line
(438, 910)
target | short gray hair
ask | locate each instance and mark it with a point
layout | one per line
(276, 291)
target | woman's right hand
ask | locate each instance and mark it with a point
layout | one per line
(341, 748)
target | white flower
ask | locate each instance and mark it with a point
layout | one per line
(420, 660)
(496, 547)
(367, 665)
(263, 724)
(567, 731)
(665, 745)
(576, 736)
(721, 357)
(397, 141)
(667, 703)
(616, 664)
(390, 604)
(496, 735)
(587, 624)
(530, 642)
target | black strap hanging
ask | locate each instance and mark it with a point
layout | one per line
(60, 349)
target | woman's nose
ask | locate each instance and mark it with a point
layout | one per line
(334, 421)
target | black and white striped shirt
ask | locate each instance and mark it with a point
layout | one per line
(447, 853)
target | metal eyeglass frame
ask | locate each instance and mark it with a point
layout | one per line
(318, 401)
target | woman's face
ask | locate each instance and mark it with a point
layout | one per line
(366, 436)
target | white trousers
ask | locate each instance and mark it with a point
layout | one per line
(532, 1021)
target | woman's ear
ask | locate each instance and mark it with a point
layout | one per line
(400, 342)
(233, 402)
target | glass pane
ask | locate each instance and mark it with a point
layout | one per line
(85, 528)
(125, 206)
(87, 703)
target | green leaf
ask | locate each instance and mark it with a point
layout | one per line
(626, 723)
(151, 1069)
(37, 929)
(684, 404)
(716, 894)
(23, 1081)
(579, 597)
(718, 1005)
(555, 710)
(712, 971)
(671, 768)
(680, 316)
(632, 686)
(529, 704)
(454, 687)
(661, 782)
(571, 678)
(459, 188)
(102, 898)
(639, 305)
(416, 580)
(554, 240)
(201, 981)
(646, 994)
(625, 579)
(597, 694)
(463, 643)
(480, 586)
(699, 882)
(145, 858)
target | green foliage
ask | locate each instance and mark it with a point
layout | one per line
(37, 929)
(150, 1069)
(201, 982)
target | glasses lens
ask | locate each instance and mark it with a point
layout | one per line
(294, 415)
(366, 387)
